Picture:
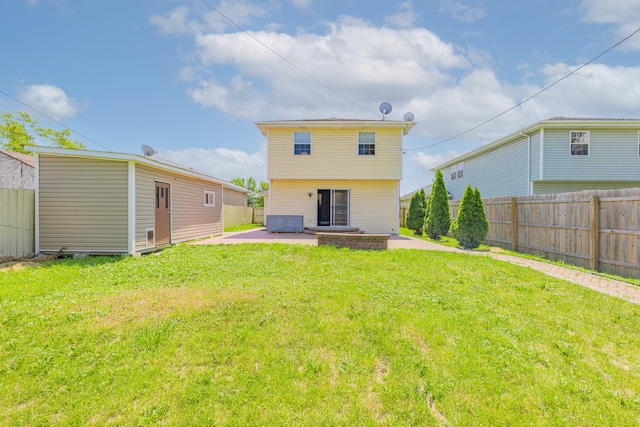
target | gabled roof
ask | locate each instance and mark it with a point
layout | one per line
(335, 123)
(148, 161)
(27, 159)
(554, 122)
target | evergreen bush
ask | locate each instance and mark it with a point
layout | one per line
(438, 219)
(471, 227)
(415, 216)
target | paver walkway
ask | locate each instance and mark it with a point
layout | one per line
(598, 283)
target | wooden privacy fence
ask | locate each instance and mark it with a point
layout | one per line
(17, 219)
(241, 215)
(597, 229)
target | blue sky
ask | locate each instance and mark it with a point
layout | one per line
(176, 75)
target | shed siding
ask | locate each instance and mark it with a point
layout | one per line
(494, 172)
(335, 150)
(190, 218)
(234, 197)
(613, 156)
(548, 187)
(374, 203)
(535, 156)
(82, 204)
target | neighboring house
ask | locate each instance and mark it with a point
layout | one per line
(113, 203)
(17, 170)
(551, 156)
(405, 200)
(336, 172)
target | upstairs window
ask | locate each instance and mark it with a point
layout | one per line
(579, 143)
(302, 143)
(460, 169)
(366, 143)
(454, 172)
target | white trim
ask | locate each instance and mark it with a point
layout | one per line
(131, 233)
(529, 164)
(541, 172)
(36, 178)
(335, 124)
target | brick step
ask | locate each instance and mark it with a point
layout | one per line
(346, 230)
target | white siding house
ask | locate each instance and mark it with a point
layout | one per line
(115, 203)
(552, 156)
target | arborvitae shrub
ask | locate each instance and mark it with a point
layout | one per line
(471, 227)
(438, 218)
(415, 216)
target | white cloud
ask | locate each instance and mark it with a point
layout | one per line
(50, 100)
(623, 15)
(405, 17)
(301, 4)
(182, 21)
(462, 11)
(221, 162)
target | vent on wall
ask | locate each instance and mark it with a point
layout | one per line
(151, 238)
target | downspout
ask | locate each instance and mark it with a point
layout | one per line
(36, 177)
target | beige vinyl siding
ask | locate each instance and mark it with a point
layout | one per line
(82, 204)
(548, 187)
(335, 151)
(190, 218)
(373, 203)
(234, 197)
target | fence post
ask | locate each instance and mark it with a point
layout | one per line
(595, 232)
(514, 224)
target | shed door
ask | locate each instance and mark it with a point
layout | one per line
(163, 214)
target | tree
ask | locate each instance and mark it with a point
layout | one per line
(438, 218)
(20, 130)
(471, 227)
(415, 216)
(250, 184)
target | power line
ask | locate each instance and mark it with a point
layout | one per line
(54, 120)
(529, 98)
(288, 61)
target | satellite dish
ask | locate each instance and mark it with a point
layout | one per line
(147, 151)
(408, 117)
(385, 108)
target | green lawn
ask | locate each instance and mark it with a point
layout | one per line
(305, 335)
(244, 227)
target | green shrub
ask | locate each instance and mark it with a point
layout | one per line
(471, 227)
(415, 216)
(438, 219)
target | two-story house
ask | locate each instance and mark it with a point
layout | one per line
(336, 172)
(557, 155)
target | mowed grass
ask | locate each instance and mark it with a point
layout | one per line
(304, 335)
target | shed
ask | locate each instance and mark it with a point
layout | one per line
(116, 203)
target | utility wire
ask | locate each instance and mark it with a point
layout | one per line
(529, 98)
(330, 89)
(54, 120)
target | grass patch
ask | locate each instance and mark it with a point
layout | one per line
(306, 335)
(244, 227)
